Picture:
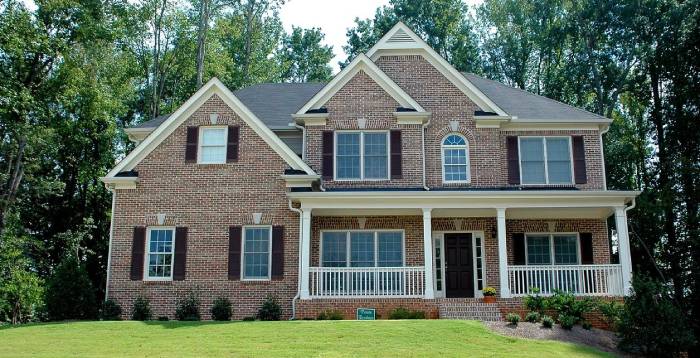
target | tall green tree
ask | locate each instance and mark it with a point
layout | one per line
(303, 58)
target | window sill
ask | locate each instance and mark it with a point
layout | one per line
(156, 282)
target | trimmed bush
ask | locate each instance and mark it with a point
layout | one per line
(249, 319)
(566, 321)
(586, 325)
(513, 318)
(110, 311)
(163, 318)
(404, 313)
(221, 309)
(567, 304)
(270, 310)
(142, 310)
(534, 302)
(69, 292)
(612, 311)
(532, 317)
(547, 322)
(331, 315)
(187, 308)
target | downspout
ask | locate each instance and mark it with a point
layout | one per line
(111, 235)
(296, 297)
(422, 134)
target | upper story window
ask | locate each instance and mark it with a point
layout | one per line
(257, 250)
(212, 145)
(545, 160)
(455, 159)
(159, 258)
(361, 155)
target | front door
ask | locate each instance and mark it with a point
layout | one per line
(459, 265)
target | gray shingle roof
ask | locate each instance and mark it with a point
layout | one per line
(273, 103)
(526, 105)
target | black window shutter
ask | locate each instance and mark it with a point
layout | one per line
(579, 159)
(327, 155)
(137, 253)
(234, 252)
(586, 248)
(518, 248)
(232, 145)
(191, 147)
(513, 160)
(180, 259)
(395, 149)
(277, 252)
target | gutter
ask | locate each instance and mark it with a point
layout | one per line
(109, 248)
(296, 297)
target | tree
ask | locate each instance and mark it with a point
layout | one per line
(303, 58)
(69, 293)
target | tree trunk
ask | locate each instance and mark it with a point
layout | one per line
(204, 12)
(249, 19)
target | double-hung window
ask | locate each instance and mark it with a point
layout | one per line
(455, 159)
(556, 249)
(159, 258)
(257, 249)
(212, 145)
(362, 155)
(545, 160)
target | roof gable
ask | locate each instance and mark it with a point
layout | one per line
(168, 126)
(360, 63)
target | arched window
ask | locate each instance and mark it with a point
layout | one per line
(455, 159)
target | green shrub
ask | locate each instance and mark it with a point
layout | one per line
(567, 304)
(221, 309)
(651, 324)
(532, 317)
(612, 311)
(534, 302)
(332, 315)
(513, 318)
(163, 318)
(69, 292)
(566, 321)
(403, 313)
(142, 310)
(270, 310)
(547, 322)
(111, 311)
(187, 308)
(586, 325)
(249, 319)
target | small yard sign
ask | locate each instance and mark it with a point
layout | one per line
(365, 314)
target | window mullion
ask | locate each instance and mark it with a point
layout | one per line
(546, 164)
(348, 254)
(376, 249)
(362, 155)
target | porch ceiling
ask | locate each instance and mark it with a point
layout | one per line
(513, 213)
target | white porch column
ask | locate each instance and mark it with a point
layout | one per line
(305, 252)
(623, 247)
(428, 253)
(502, 252)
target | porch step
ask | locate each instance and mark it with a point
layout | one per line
(466, 308)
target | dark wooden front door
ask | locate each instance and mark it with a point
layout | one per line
(459, 263)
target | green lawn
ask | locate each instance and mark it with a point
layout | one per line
(440, 338)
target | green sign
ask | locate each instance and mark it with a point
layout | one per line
(366, 314)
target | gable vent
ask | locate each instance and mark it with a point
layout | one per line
(400, 37)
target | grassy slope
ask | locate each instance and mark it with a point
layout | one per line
(265, 339)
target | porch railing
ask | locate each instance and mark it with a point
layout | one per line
(331, 282)
(581, 280)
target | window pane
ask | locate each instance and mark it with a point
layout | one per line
(213, 136)
(348, 156)
(256, 254)
(538, 252)
(375, 156)
(334, 249)
(565, 250)
(558, 161)
(455, 164)
(362, 249)
(160, 247)
(532, 160)
(454, 140)
(213, 154)
(390, 249)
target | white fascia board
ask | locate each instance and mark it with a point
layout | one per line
(421, 47)
(361, 62)
(544, 126)
(412, 117)
(311, 119)
(137, 135)
(120, 182)
(300, 181)
(214, 86)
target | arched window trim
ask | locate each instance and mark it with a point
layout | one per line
(465, 147)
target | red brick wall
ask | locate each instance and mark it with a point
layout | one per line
(207, 199)
(310, 309)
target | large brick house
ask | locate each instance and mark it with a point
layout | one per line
(401, 182)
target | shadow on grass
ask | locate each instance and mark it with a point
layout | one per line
(165, 324)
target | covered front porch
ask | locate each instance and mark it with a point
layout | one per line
(454, 244)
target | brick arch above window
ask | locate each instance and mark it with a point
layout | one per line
(462, 130)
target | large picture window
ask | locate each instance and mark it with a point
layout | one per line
(362, 155)
(257, 247)
(545, 160)
(455, 159)
(159, 259)
(362, 249)
(547, 249)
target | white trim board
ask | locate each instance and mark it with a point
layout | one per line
(213, 87)
(360, 63)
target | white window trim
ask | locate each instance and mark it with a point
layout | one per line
(200, 144)
(376, 245)
(362, 155)
(551, 236)
(146, 259)
(546, 168)
(466, 151)
(269, 253)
